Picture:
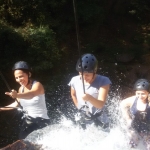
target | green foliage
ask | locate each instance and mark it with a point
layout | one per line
(39, 12)
(43, 50)
(38, 46)
(12, 45)
(34, 25)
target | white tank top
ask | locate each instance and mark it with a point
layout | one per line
(35, 107)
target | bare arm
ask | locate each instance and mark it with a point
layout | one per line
(14, 104)
(74, 98)
(125, 105)
(37, 89)
(100, 102)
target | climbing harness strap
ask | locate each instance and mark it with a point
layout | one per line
(86, 117)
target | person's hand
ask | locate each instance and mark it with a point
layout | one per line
(12, 94)
(2, 109)
(86, 97)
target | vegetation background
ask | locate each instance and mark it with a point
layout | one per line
(43, 33)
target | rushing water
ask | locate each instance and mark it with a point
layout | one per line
(65, 135)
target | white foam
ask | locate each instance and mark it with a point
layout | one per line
(67, 136)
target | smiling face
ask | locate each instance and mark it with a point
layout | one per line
(142, 95)
(21, 77)
(88, 77)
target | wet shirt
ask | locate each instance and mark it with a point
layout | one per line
(141, 119)
(92, 89)
(35, 107)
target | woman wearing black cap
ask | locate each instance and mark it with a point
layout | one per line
(136, 112)
(90, 102)
(31, 97)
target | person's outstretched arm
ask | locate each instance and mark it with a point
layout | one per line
(37, 89)
(10, 107)
(125, 105)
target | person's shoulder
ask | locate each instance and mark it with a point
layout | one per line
(128, 101)
(36, 83)
(130, 98)
(103, 79)
(75, 78)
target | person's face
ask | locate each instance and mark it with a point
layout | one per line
(142, 95)
(21, 77)
(87, 76)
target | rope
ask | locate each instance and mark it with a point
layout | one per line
(77, 34)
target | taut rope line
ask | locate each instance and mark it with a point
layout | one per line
(77, 34)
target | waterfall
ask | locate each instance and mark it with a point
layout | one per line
(65, 135)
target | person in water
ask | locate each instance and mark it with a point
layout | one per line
(136, 113)
(89, 92)
(31, 99)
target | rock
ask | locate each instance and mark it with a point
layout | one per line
(22, 145)
(16, 146)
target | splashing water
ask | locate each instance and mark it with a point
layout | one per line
(67, 136)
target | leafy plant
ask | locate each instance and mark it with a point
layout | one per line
(42, 47)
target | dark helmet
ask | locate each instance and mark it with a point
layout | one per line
(89, 63)
(21, 65)
(142, 84)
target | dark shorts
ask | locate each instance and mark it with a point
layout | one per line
(30, 124)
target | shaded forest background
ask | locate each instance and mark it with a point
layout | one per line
(43, 33)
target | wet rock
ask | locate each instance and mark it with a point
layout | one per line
(22, 145)
(16, 146)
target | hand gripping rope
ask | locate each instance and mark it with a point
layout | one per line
(10, 89)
